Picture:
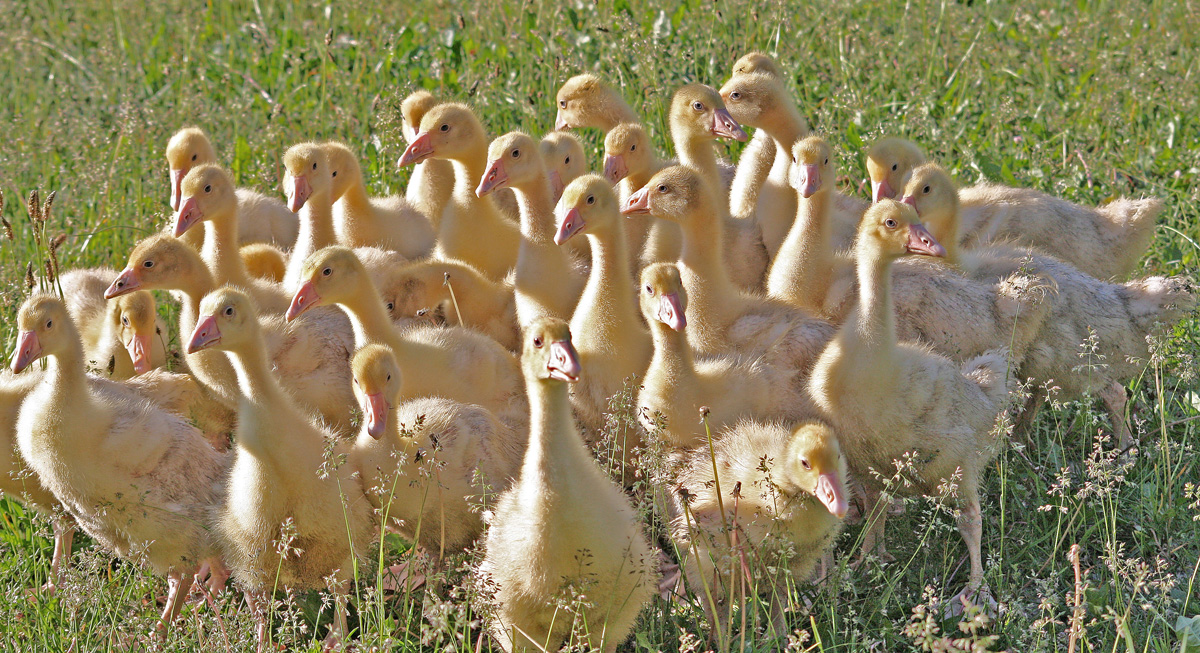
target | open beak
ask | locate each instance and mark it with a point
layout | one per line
(176, 184)
(125, 283)
(299, 193)
(494, 178)
(139, 351)
(614, 168)
(556, 185)
(920, 241)
(560, 123)
(28, 350)
(670, 311)
(570, 224)
(881, 190)
(808, 179)
(564, 361)
(376, 410)
(188, 214)
(205, 335)
(829, 493)
(305, 298)
(638, 203)
(418, 150)
(725, 126)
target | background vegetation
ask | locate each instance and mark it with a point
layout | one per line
(1088, 100)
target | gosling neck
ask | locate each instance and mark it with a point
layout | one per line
(606, 307)
(368, 315)
(65, 372)
(785, 124)
(221, 249)
(356, 198)
(612, 111)
(555, 447)
(537, 210)
(874, 319)
(803, 266)
(469, 166)
(946, 226)
(261, 392)
(316, 232)
(673, 363)
(194, 282)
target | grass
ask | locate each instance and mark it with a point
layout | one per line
(1088, 100)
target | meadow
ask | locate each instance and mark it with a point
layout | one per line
(1087, 548)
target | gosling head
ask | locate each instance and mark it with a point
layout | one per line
(588, 203)
(377, 382)
(136, 324)
(514, 159)
(44, 328)
(756, 62)
(662, 296)
(547, 353)
(188, 148)
(579, 101)
(672, 194)
(228, 320)
(412, 110)
(344, 169)
(627, 151)
(888, 162)
(308, 174)
(814, 171)
(447, 131)
(207, 193)
(814, 463)
(159, 262)
(565, 160)
(932, 192)
(330, 275)
(753, 98)
(699, 111)
(893, 230)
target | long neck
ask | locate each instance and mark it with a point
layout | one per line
(614, 111)
(469, 166)
(703, 247)
(221, 249)
(316, 232)
(265, 398)
(194, 285)
(673, 367)
(696, 152)
(537, 211)
(555, 454)
(874, 319)
(786, 125)
(946, 227)
(65, 372)
(606, 308)
(802, 268)
(368, 315)
(356, 197)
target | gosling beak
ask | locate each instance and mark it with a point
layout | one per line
(376, 410)
(28, 350)
(494, 178)
(560, 123)
(188, 214)
(205, 335)
(828, 493)
(920, 241)
(139, 351)
(808, 179)
(417, 151)
(881, 190)
(564, 361)
(638, 203)
(176, 184)
(670, 311)
(725, 126)
(614, 168)
(299, 193)
(570, 224)
(305, 298)
(556, 185)
(125, 283)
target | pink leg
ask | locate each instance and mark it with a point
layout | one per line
(258, 603)
(179, 585)
(64, 535)
(1115, 402)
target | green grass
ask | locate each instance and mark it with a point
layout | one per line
(1088, 100)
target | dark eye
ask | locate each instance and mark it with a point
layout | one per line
(125, 320)
(327, 271)
(591, 199)
(925, 190)
(805, 464)
(895, 165)
(389, 377)
(632, 148)
(698, 106)
(229, 311)
(208, 188)
(334, 173)
(567, 162)
(516, 154)
(314, 165)
(193, 157)
(735, 96)
(889, 223)
(422, 312)
(662, 188)
(49, 323)
(827, 161)
(445, 128)
(537, 342)
(562, 104)
(391, 307)
(148, 264)
(649, 290)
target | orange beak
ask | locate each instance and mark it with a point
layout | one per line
(28, 350)
(570, 224)
(724, 126)
(494, 178)
(299, 193)
(176, 184)
(564, 361)
(139, 351)
(614, 168)
(375, 409)
(188, 214)
(829, 492)
(670, 311)
(305, 298)
(205, 335)
(417, 151)
(125, 283)
(638, 203)
(920, 241)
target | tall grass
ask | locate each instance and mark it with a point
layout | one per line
(1088, 100)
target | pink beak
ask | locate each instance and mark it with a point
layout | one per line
(206, 334)
(376, 410)
(189, 214)
(556, 185)
(614, 168)
(176, 184)
(564, 362)
(670, 311)
(28, 350)
(638, 203)
(571, 224)
(725, 126)
(808, 179)
(299, 193)
(828, 493)
(911, 201)
(560, 123)
(881, 190)
(494, 178)
(125, 283)
(139, 351)
(305, 298)
(920, 241)
(417, 151)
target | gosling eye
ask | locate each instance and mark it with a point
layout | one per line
(826, 160)
(632, 148)
(895, 166)
(662, 188)
(391, 307)
(562, 104)
(925, 190)
(516, 154)
(567, 162)
(327, 271)
(591, 199)
(805, 464)
(735, 96)
(537, 342)
(314, 165)
(148, 264)
(698, 106)
(334, 173)
(208, 188)
(125, 320)
(229, 311)
(650, 290)
(389, 377)
(49, 324)
(889, 223)
(422, 312)
(193, 157)
(445, 128)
